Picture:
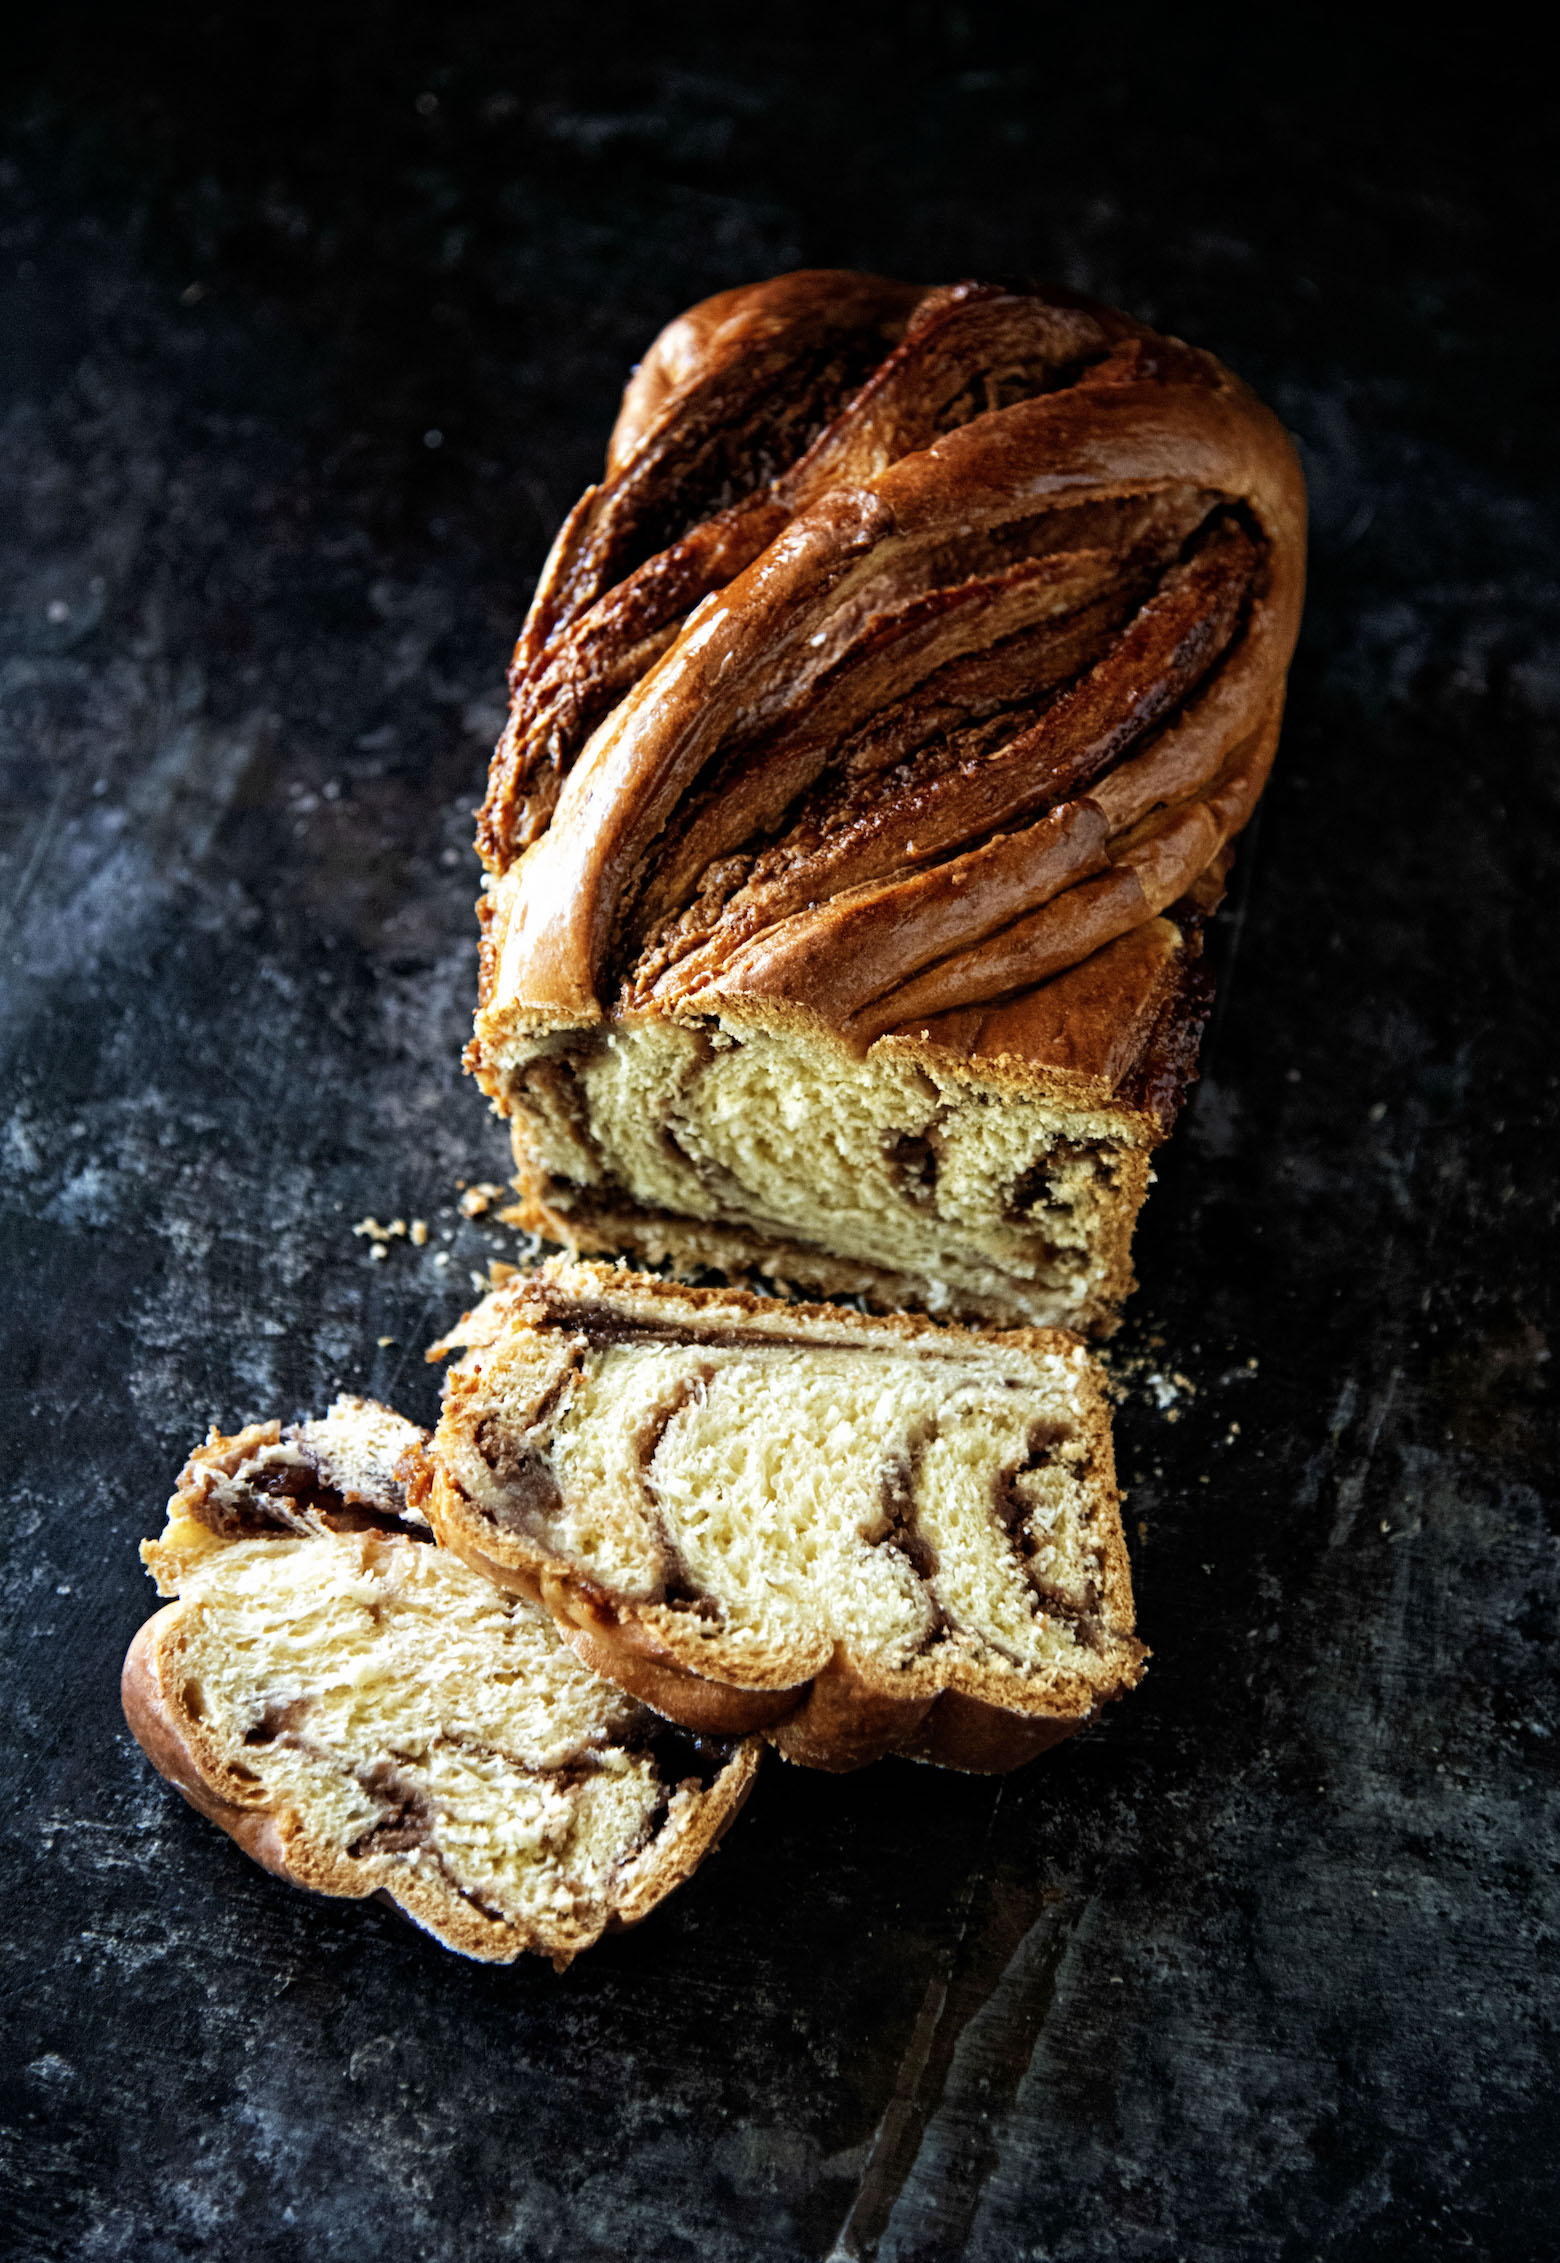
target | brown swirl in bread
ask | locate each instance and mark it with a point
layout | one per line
(907, 715)
(859, 1535)
(366, 1715)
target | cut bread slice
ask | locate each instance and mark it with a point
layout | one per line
(859, 1535)
(366, 1715)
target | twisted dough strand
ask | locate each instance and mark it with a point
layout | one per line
(982, 677)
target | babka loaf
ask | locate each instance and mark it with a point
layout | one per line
(878, 734)
(858, 1534)
(366, 1715)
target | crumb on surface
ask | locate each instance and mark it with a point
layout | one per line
(395, 1231)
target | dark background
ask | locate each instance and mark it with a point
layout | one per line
(311, 325)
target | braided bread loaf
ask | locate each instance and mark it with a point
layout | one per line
(879, 731)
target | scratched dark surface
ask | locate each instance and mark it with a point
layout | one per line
(1265, 1965)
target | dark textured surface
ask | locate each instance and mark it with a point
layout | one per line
(1262, 1967)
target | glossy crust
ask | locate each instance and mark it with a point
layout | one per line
(729, 391)
(953, 1708)
(280, 1839)
(916, 724)
(1163, 742)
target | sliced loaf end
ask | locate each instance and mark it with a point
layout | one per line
(366, 1715)
(858, 1534)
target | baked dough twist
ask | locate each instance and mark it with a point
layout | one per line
(847, 714)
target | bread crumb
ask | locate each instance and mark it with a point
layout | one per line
(419, 1232)
(479, 1197)
(379, 1251)
(383, 1340)
(395, 1231)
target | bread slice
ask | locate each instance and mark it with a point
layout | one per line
(860, 1535)
(867, 782)
(366, 1715)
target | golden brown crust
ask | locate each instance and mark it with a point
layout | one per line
(163, 1733)
(727, 396)
(738, 385)
(631, 1657)
(961, 1732)
(1200, 433)
(919, 725)
(1091, 1024)
(851, 1708)
(726, 330)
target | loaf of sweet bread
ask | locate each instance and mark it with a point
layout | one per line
(879, 732)
(366, 1715)
(858, 1534)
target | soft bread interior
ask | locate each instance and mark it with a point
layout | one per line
(367, 1714)
(766, 1484)
(419, 1720)
(972, 1191)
